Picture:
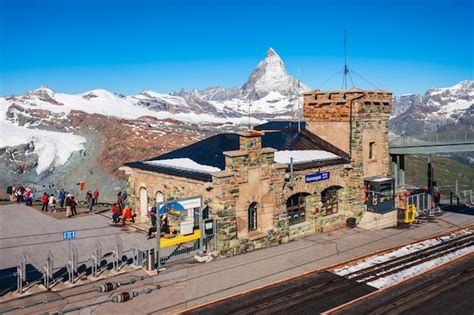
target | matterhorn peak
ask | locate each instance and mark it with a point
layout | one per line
(270, 75)
(271, 53)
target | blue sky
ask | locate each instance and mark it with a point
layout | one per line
(129, 46)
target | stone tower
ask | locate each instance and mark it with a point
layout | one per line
(356, 121)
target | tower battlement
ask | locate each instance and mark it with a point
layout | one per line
(356, 121)
(320, 106)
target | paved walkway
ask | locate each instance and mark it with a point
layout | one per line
(184, 285)
(26, 230)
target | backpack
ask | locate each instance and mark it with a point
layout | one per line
(9, 190)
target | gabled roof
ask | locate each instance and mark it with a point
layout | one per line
(210, 151)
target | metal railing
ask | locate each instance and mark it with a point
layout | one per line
(432, 138)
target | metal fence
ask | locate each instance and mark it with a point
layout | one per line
(432, 138)
(205, 243)
(423, 203)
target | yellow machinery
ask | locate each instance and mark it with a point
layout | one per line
(410, 214)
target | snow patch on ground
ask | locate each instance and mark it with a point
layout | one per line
(186, 164)
(375, 260)
(53, 148)
(403, 251)
(410, 272)
(301, 156)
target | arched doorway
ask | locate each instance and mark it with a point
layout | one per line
(143, 203)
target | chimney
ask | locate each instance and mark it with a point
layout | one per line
(250, 140)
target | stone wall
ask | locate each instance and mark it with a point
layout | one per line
(251, 175)
(172, 187)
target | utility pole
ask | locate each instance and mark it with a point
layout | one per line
(298, 102)
(430, 176)
(346, 69)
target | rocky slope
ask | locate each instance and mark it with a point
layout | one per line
(52, 139)
(438, 109)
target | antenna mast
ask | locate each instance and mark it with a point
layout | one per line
(298, 111)
(346, 70)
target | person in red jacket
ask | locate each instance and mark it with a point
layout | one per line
(95, 197)
(127, 214)
(115, 213)
(44, 201)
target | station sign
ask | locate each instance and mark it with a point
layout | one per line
(316, 177)
(69, 235)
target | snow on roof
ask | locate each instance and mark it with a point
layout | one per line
(382, 179)
(185, 164)
(301, 156)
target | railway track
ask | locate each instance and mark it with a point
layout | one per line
(441, 285)
(390, 267)
(323, 291)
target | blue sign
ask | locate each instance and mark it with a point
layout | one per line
(69, 235)
(316, 177)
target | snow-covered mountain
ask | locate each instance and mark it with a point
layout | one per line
(50, 137)
(270, 76)
(437, 109)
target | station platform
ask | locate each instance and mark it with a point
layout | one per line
(189, 284)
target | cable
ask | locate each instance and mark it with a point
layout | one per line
(364, 79)
(331, 77)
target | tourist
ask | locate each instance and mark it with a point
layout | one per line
(68, 206)
(44, 202)
(52, 203)
(13, 196)
(10, 192)
(73, 205)
(89, 200)
(22, 193)
(95, 197)
(115, 213)
(124, 198)
(165, 227)
(152, 229)
(127, 214)
(18, 195)
(120, 201)
(61, 196)
(28, 197)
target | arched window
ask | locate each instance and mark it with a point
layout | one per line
(143, 202)
(296, 208)
(159, 197)
(329, 199)
(253, 216)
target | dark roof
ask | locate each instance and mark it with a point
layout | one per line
(210, 151)
(280, 125)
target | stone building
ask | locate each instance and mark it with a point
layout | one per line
(282, 179)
